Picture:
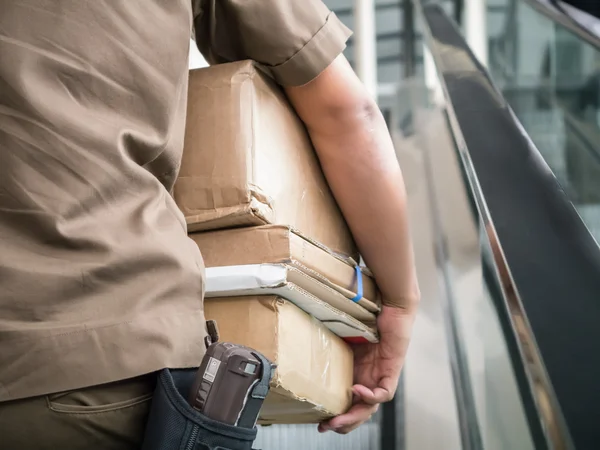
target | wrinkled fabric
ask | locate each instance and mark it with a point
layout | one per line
(98, 280)
(106, 417)
(293, 40)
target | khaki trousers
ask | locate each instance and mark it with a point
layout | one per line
(106, 417)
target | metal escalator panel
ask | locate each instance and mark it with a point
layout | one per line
(541, 264)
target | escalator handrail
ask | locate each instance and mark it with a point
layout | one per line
(547, 261)
(561, 13)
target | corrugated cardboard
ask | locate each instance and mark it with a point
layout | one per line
(248, 160)
(346, 319)
(275, 244)
(314, 375)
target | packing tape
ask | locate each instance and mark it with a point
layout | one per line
(359, 284)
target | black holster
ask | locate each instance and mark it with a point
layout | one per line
(174, 425)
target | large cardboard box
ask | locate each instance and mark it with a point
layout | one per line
(276, 260)
(313, 380)
(248, 160)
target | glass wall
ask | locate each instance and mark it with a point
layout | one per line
(551, 79)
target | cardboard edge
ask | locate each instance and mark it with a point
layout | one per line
(248, 277)
(316, 287)
(274, 276)
(320, 408)
(364, 337)
(277, 303)
(349, 261)
(364, 302)
(262, 211)
(222, 219)
(281, 419)
(255, 213)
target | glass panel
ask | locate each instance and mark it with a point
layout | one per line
(474, 300)
(504, 421)
(551, 79)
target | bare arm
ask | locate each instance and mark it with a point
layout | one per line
(358, 158)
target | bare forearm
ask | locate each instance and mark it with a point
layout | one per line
(363, 172)
(358, 158)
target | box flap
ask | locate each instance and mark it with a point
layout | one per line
(225, 218)
(281, 409)
(273, 279)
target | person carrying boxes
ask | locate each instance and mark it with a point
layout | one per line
(100, 286)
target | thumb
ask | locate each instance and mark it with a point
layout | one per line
(381, 394)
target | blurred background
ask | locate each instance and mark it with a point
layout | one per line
(494, 108)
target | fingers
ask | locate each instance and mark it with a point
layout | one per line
(381, 394)
(364, 394)
(366, 403)
(357, 415)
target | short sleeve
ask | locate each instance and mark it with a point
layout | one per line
(294, 40)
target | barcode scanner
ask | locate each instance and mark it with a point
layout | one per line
(231, 384)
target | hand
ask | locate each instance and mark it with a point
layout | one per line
(376, 369)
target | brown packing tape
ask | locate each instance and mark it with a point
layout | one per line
(314, 374)
(226, 218)
(237, 220)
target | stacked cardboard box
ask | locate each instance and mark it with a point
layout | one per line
(281, 271)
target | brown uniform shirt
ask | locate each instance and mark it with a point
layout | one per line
(98, 280)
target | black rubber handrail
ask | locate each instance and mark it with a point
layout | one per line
(546, 261)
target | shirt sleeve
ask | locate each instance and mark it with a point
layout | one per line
(294, 40)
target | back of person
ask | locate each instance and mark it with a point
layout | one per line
(95, 257)
(98, 281)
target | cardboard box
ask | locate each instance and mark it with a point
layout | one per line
(276, 260)
(314, 375)
(248, 160)
(275, 244)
